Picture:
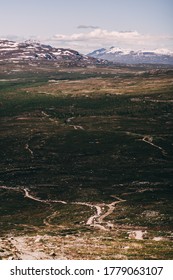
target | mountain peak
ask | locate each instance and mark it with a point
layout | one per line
(30, 50)
(127, 56)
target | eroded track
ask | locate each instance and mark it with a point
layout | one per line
(96, 220)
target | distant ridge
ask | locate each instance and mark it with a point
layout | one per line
(118, 55)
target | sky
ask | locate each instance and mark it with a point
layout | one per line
(86, 25)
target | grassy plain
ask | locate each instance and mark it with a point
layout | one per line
(92, 135)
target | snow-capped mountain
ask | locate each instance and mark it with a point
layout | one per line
(11, 51)
(158, 56)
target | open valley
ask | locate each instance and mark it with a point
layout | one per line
(86, 162)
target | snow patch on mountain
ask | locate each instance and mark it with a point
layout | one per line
(35, 51)
(119, 55)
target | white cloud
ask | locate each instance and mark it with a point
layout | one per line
(88, 41)
(97, 34)
(97, 38)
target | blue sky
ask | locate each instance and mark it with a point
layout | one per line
(90, 24)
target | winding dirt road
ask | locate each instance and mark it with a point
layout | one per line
(96, 220)
(149, 140)
(29, 150)
(26, 191)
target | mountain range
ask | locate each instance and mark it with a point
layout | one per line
(31, 51)
(118, 55)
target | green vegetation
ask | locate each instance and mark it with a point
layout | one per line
(63, 145)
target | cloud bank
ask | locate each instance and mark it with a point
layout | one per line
(97, 34)
(88, 41)
(98, 38)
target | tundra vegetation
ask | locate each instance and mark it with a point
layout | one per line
(86, 162)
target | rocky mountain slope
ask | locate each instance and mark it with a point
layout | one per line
(159, 56)
(15, 52)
